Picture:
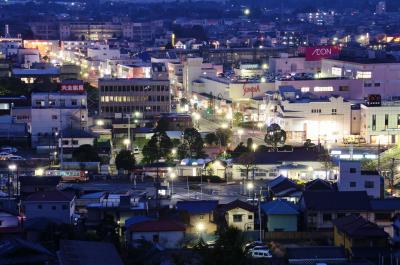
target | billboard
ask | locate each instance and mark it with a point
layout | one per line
(317, 53)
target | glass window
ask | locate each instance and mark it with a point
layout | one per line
(369, 184)
(237, 218)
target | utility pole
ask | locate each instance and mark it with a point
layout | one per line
(259, 215)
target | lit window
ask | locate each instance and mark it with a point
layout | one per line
(363, 75)
(323, 88)
(305, 89)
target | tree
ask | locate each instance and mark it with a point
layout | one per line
(308, 144)
(369, 165)
(325, 158)
(194, 143)
(125, 160)
(224, 136)
(237, 118)
(85, 153)
(228, 248)
(275, 136)
(240, 150)
(158, 147)
(211, 138)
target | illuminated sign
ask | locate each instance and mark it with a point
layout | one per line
(250, 89)
(72, 88)
(320, 52)
(374, 100)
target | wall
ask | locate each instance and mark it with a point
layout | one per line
(172, 239)
(282, 222)
(246, 223)
(32, 210)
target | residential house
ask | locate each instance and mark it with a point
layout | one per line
(238, 214)
(321, 207)
(284, 188)
(50, 204)
(386, 213)
(280, 215)
(30, 185)
(360, 238)
(74, 252)
(352, 178)
(267, 165)
(198, 215)
(73, 138)
(164, 233)
(316, 255)
(320, 185)
(23, 252)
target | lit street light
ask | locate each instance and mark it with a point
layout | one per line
(127, 142)
(246, 11)
(254, 147)
(99, 122)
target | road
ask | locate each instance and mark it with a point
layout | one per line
(222, 192)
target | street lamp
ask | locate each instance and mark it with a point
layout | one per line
(99, 122)
(254, 147)
(200, 227)
(173, 152)
(127, 142)
(246, 11)
(12, 168)
(250, 187)
(224, 126)
(39, 171)
(172, 176)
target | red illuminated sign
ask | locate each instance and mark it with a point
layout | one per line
(72, 88)
(250, 89)
(321, 52)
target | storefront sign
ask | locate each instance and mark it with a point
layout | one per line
(250, 89)
(321, 52)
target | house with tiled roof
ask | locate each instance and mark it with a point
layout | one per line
(280, 215)
(321, 207)
(55, 204)
(361, 238)
(238, 214)
(162, 233)
(199, 216)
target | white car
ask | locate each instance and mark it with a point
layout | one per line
(15, 158)
(257, 254)
(8, 149)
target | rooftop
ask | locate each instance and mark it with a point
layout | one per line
(328, 200)
(196, 207)
(280, 207)
(357, 226)
(50, 196)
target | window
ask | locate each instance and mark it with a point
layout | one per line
(74, 102)
(369, 184)
(237, 218)
(75, 142)
(250, 217)
(340, 215)
(377, 84)
(327, 217)
(363, 75)
(65, 142)
(156, 238)
(353, 184)
(398, 121)
(334, 111)
(53, 207)
(40, 206)
(373, 122)
(201, 216)
(353, 170)
(383, 216)
(323, 88)
(54, 117)
(386, 121)
(305, 89)
(343, 88)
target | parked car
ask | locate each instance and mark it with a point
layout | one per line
(14, 157)
(8, 149)
(251, 245)
(136, 150)
(261, 254)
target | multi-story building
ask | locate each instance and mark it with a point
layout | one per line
(149, 96)
(56, 111)
(320, 120)
(353, 178)
(318, 18)
(380, 124)
(138, 32)
(379, 76)
(89, 30)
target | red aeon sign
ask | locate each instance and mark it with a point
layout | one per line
(250, 89)
(317, 53)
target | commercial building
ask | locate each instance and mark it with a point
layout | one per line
(379, 76)
(89, 30)
(56, 111)
(149, 96)
(380, 124)
(320, 120)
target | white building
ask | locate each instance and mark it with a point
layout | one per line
(56, 111)
(320, 120)
(103, 52)
(352, 178)
(379, 76)
(50, 204)
(381, 124)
